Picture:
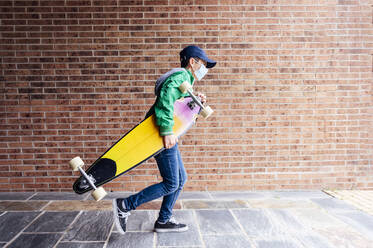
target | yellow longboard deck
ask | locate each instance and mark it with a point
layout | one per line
(137, 146)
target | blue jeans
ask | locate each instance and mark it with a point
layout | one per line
(174, 177)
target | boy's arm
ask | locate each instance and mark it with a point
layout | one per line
(164, 112)
(164, 109)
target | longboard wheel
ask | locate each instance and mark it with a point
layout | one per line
(206, 112)
(99, 194)
(184, 87)
(75, 163)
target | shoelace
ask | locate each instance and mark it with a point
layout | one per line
(123, 214)
(173, 220)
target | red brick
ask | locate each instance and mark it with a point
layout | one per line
(291, 105)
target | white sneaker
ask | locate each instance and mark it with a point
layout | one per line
(120, 215)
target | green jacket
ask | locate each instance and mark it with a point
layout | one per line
(164, 104)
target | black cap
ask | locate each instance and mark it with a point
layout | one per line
(193, 52)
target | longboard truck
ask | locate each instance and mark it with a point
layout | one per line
(77, 164)
(185, 87)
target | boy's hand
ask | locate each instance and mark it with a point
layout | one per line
(169, 141)
(202, 96)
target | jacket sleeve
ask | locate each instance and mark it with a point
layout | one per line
(164, 108)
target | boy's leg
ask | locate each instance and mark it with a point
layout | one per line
(167, 162)
(169, 200)
(165, 222)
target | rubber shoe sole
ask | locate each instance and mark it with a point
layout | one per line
(166, 230)
(116, 217)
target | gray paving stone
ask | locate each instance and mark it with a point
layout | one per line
(194, 195)
(11, 223)
(58, 196)
(36, 240)
(239, 195)
(217, 222)
(227, 240)
(281, 203)
(52, 222)
(115, 195)
(214, 204)
(256, 222)
(290, 225)
(81, 245)
(317, 218)
(344, 237)
(131, 239)
(280, 219)
(360, 221)
(14, 196)
(140, 221)
(329, 228)
(287, 219)
(333, 204)
(91, 226)
(22, 205)
(314, 242)
(299, 194)
(275, 244)
(184, 239)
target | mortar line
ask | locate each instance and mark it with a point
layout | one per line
(31, 196)
(155, 237)
(251, 242)
(198, 228)
(21, 231)
(109, 236)
(46, 205)
(69, 227)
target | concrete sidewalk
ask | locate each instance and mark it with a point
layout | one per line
(216, 219)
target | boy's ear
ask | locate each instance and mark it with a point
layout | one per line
(191, 60)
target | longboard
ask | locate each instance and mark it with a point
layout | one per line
(136, 146)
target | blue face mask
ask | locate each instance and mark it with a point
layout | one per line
(201, 72)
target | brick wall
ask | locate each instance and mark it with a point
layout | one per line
(291, 91)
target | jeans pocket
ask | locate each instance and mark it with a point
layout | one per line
(168, 164)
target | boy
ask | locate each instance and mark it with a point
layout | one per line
(194, 63)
